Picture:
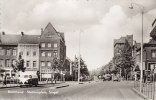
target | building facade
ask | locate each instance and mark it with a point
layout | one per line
(8, 53)
(52, 45)
(28, 48)
(149, 51)
(38, 51)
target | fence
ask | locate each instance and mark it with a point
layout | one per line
(148, 89)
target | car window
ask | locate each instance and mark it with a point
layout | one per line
(25, 76)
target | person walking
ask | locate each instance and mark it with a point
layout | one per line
(4, 81)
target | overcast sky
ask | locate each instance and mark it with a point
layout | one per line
(98, 21)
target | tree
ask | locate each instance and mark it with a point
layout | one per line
(125, 60)
(18, 65)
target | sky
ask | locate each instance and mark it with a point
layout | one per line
(95, 22)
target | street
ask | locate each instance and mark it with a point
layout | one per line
(95, 90)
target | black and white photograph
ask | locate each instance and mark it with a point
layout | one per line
(77, 49)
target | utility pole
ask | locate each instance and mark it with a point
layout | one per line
(79, 60)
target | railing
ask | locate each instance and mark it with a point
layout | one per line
(147, 89)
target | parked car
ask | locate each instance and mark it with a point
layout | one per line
(107, 77)
(115, 78)
(28, 79)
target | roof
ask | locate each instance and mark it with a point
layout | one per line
(119, 41)
(152, 41)
(10, 39)
(29, 39)
(50, 31)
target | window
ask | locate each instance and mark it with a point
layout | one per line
(14, 52)
(34, 53)
(2, 52)
(43, 54)
(34, 63)
(49, 54)
(28, 54)
(7, 63)
(55, 45)
(153, 53)
(8, 52)
(1, 63)
(49, 63)
(55, 54)
(42, 63)
(49, 45)
(28, 64)
(42, 44)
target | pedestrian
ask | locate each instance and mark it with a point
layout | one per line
(4, 81)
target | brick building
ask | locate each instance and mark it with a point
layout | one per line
(52, 44)
(119, 44)
(149, 51)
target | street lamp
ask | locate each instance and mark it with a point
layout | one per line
(79, 60)
(141, 67)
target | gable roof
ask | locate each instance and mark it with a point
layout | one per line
(50, 31)
(49, 28)
(10, 39)
(29, 39)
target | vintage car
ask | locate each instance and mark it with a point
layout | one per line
(28, 79)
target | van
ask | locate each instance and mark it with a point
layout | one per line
(28, 79)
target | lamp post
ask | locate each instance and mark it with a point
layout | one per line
(141, 67)
(79, 60)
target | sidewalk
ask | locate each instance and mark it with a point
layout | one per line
(58, 84)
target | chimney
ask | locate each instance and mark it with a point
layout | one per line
(3, 33)
(22, 33)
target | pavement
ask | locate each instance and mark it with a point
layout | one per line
(57, 84)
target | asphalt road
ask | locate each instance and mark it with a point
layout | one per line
(87, 91)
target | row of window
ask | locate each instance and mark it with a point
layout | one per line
(45, 71)
(8, 52)
(6, 62)
(44, 63)
(28, 53)
(49, 45)
(29, 65)
(49, 54)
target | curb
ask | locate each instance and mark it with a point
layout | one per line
(62, 86)
(140, 94)
(9, 87)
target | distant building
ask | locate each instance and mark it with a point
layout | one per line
(8, 52)
(119, 45)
